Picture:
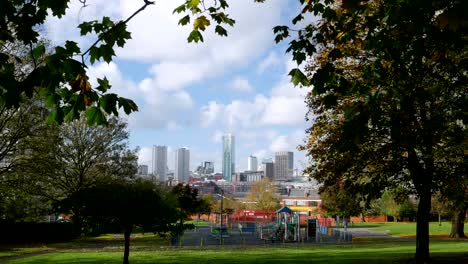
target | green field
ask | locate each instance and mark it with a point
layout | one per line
(442, 252)
(407, 229)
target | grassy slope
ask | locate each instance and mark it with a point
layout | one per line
(442, 252)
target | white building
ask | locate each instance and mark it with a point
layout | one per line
(182, 162)
(229, 157)
(284, 165)
(160, 162)
(252, 163)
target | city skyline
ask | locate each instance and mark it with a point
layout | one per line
(229, 141)
(189, 95)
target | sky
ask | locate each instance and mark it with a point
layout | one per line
(189, 94)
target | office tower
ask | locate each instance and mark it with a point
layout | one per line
(284, 165)
(268, 169)
(160, 162)
(252, 164)
(182, 162)
(229, 157)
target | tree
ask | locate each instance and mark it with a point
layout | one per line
(187, 203)
(122, 205)
(389, 95)
(69, 157)
(339, 200)
(262, 196)
(389, 206)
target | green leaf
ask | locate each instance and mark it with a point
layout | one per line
(220, 31)
(297, 19)
(107, 51)
(107, 22)
(298, 77)
(86, 27)
(201, 23)
(179, 9)
(195, 36)
(128, 105)
(185, 20)
(108, 102)
(104, 85)
(72, 47)
(94, 116)
(38, 51)
(93, 54)
(193, 3)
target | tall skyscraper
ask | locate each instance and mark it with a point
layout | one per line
(252, 163)
(284, 165)
(160, 162)
(229, 157)
(182, 162)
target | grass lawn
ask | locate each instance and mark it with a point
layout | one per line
(441, 252)
(405, 229)
(109, 242)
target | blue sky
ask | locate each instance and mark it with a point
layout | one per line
(190, 94)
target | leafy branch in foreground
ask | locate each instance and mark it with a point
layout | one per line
(56, 74)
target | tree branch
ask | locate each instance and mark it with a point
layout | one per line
(147, 3)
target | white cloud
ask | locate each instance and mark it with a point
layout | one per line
(287, 142)
(262, 111)
(284, 111)
(271, 60)
(217, 136)
(145, 157)
(241, 84)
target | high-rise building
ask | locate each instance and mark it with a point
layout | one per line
(182, 162)
(284, 165)
(268, 169)
(160, 162)
(252, 163)
(229, 157)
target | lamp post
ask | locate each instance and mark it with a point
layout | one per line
(221, 218)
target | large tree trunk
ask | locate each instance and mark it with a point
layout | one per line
(127, 233)
(458, 224)
(422, 227)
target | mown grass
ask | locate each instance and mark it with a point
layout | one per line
(442, 252)
(406, 229)
(107, 242)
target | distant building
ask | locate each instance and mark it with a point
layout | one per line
(229, 157)
(252, 163)
(284, 165)
(251, 176)
(160, 162)
(142, 170)
(182, 162)
(206, 167)
(268, 169)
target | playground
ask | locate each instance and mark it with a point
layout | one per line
(263, 227)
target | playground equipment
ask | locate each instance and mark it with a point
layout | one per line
(288, 225)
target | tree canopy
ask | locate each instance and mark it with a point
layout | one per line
(389, 96)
